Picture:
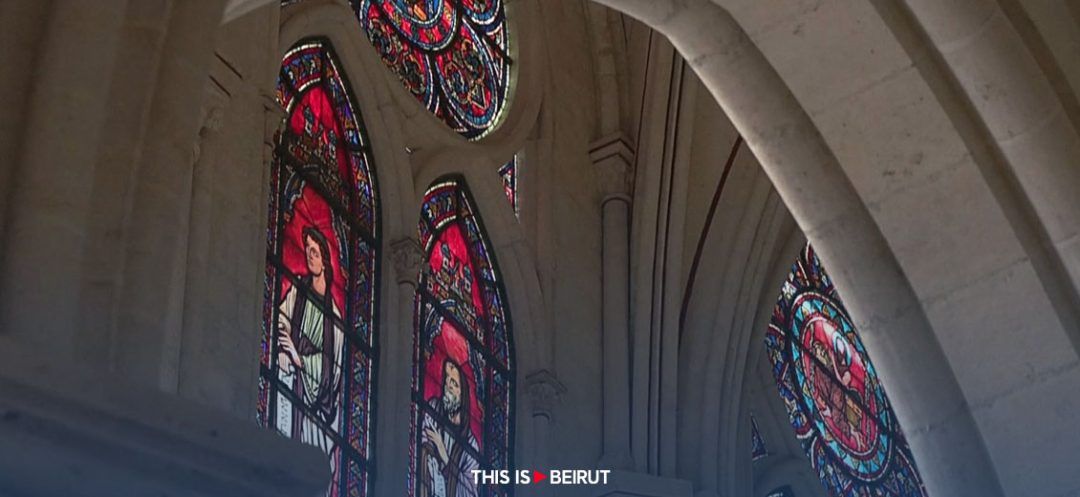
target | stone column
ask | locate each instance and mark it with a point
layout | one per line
(134, 84)
(49, 198)
(612, 158)
(147, 337)
(395, 368)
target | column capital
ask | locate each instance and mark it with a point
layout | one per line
(270, 103)
(613, 157)
(275, 116)
(545, 392)
(407, 256)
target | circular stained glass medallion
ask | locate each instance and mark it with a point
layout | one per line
(832, 392)
(452, 55)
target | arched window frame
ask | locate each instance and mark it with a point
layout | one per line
(498, 364)
(509, 174)
(355, 433)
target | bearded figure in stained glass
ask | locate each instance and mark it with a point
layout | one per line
(447, 448)
(311, 344)
(461, 388)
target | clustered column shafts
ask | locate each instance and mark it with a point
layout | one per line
(613, 158)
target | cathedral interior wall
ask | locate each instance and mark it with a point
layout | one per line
(924, 148)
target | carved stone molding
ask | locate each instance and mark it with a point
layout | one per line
(613, 157)
(545, 392)
(407, 256)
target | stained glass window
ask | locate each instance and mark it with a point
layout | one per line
(318, 347)
(757, 442)
(508, 172)
(463, 373)
(452, 55)
(833, 395)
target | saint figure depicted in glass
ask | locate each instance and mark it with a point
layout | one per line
(463, 363)
(833, 395)
(452, 55)
(319, 313)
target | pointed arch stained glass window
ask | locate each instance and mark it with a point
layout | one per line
(463, 369)
(318, 347)
(509, 174)
(833, 395)
(757, 442)
(452, 55)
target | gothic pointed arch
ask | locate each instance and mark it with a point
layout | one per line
(834, 398)
(463, 363)
(318, 349)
